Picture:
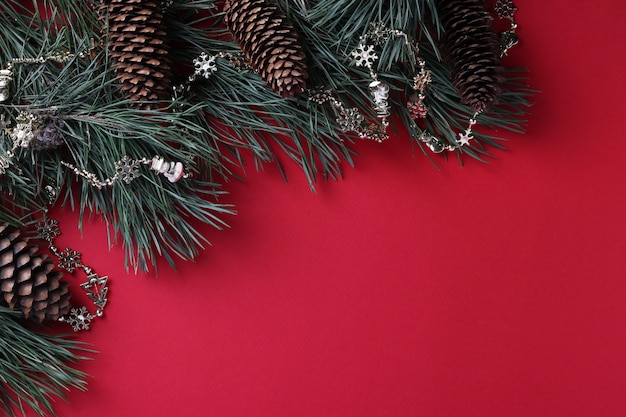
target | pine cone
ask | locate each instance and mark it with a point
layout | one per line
(471, 48)
(269, 43)
(138, 48)
(28, 281)
(48, 137)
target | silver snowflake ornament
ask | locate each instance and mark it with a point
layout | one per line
(204, 65)
(69, 259)
(378, 33)
(23, 132)
(79, 319)
(48, 229)
(376, 133)
(238, 62)
(505, 9)
(127, 169)
(421, 80)
(350, 120)
(465, 137)
(364, 56)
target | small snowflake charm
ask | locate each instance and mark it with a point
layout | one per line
(127, 169)
(69, 260)
(350, 120)
(375, 133)
(417, 108)
(505, 9)
(79, 319)
(204, 65)
(23, 133)
(48, 229)
(378, 33)
(364, 56)
(238, 62)
(465, 137)
(421, 80)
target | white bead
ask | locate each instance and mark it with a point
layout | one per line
(176, 173)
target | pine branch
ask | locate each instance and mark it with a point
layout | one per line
(217, 120)
(35, 367)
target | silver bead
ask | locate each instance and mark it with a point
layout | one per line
(173, 171)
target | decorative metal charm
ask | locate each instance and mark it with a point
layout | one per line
(204, 65)
(48, 229)
(96, 288)
(380, 95)
(466, 136)
(70, 260)
(416, 103)
(350, 120)
(23, 133)
(79, 319)
(432, 142)
(378, 33)
(5, 85)
(505, 9)
(365, 56)
(508, 39)
(127, 170)
(173, 171)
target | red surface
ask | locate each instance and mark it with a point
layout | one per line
(486, 290)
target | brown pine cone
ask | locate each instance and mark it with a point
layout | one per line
(138, 48)
(471, 48)
(28, 280)
(269, 43)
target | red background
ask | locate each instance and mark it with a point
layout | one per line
(486, 290)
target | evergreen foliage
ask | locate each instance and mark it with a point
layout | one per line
(219, 120)
(35, 367)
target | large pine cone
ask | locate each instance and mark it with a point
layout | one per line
(269, 43)
(471, 48)
(28, 281)
(138, 48)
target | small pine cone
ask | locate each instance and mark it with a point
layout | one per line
(48, 137)
(471, 47)
(28, 281)
(138, 48)
(269, 43)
